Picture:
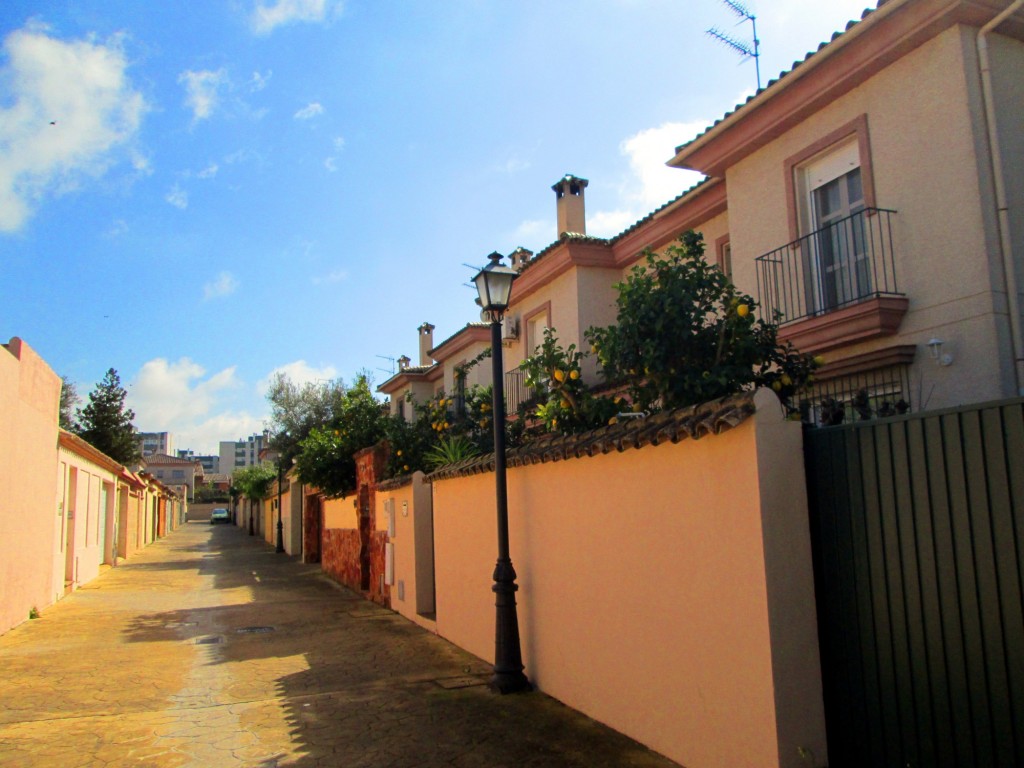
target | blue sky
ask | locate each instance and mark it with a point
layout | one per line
(200, 194)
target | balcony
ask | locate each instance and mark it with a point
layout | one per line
(835, 286)
(516, 391)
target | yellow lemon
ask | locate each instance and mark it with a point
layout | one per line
(565, 403)
(574, 375)
(559, 374)
(819, 360)
(405, 467)
(613, 420)
(398, 453)
(777, 385)
(742, 310)
(786, 380)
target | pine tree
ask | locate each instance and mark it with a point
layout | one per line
(107, 424)
(69, 401)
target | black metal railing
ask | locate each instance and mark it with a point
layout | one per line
(860, 397)
(846, 262)
(516, 391)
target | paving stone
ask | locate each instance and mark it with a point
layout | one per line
(114, 675)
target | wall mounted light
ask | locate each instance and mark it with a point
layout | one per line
(935, 348)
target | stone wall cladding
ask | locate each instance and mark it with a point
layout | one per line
(339, 557)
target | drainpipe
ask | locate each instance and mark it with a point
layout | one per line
(1002, 207)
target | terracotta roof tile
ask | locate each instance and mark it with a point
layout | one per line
(666, 426)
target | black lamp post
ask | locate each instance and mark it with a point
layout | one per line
(494, 284)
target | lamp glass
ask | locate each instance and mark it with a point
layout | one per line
(494, 284)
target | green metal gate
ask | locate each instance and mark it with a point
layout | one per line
(918, 530)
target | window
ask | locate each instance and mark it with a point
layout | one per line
(723, 252)
(829, 187)
(538, 321)
(834, 209)
(178, 474)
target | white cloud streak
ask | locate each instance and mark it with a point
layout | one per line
(267, 17)
(309, 111)
(223, 285)
(202, 91)
(70, 106)
(177, 197)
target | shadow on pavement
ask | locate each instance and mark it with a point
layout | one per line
(356, 684)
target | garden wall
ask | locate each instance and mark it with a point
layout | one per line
(665, 590)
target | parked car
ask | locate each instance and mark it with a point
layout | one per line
(220, 515)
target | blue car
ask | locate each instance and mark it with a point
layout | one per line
(220, 515)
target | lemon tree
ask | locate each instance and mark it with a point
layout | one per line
(563, 401)
(685, 335)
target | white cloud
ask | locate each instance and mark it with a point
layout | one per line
(651, 183)
(332, 277)
(177, 197)
(300, 372)
(331, 162)
(533, 229)
(512, 165)
(266, 18)
(202, 91)
(259, 81)
(309, 111)
(208, 172)
(68, 107)
(117, 228)
(175, 397)
(224, 285)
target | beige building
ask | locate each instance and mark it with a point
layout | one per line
(180, 475)
(872, 197)
(447, 367)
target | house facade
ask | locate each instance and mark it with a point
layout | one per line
(871, 201)
(874, 200)
(180, 475)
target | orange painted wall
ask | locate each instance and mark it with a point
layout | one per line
(29, 530)
(655, 589)
(412, 548)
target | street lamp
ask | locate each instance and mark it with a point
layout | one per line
(494, 284)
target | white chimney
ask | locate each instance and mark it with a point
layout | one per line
(426, 343)
(569, 204)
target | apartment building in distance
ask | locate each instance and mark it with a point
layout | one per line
(151, 443)
(245, 452)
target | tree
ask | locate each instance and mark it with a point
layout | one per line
(106, 424)
(69, 401)
(298, 409)
(326, 458)
(685, 335)
(254, 483)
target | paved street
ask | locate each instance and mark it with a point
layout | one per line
(209, 649)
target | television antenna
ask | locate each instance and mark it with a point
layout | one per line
(388, 371)
(741, 47)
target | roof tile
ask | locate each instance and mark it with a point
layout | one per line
(693, 422)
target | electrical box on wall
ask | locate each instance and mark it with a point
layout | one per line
(389, 564)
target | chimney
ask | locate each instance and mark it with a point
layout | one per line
(569, 203)
(426, 343)
(520, 257)
(403, 362)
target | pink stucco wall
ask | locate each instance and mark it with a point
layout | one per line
(665, 591)
(29, 402)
